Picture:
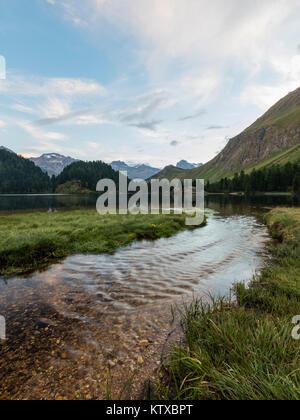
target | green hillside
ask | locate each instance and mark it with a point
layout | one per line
(19, 175)
(274, 139)
(84, 176)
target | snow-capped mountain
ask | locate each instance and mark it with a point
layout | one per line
(183, 164)
(136, 171)
(53, 163)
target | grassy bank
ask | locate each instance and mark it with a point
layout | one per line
(33, 241)
(245, 350)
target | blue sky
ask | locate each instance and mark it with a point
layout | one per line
(142, 80)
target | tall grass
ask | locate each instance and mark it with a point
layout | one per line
(244, 350)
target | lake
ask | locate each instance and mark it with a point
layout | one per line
(45, 202)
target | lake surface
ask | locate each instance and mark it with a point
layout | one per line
(45, 202)
(67, 325)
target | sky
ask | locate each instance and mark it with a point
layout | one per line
(143, 81)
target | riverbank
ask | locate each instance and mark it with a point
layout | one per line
(33, 241)
(245, 350)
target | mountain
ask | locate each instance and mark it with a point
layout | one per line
(170, 172)
(135, 172)
(53, 163)
(183, 164)
(20, 176)
(6, 149)
(80, 177)
(273, 139)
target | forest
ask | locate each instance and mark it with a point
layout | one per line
(21, 176)
(87, 173)
(274, 179)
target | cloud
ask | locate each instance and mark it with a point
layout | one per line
(147, 125)
(40, 134)
(144, 111)
(62, 118)
(140, 109)
(193, 116)
(2, 124)
(174, 143)
(23, 109)
(214, 29)
(133, 112)
(216, 127)
(230, 58)
(264, 95)
(31, 86)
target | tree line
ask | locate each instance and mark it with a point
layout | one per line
(274, 179)
(21, 176)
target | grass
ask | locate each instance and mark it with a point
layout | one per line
(244, 350)
(29, 242)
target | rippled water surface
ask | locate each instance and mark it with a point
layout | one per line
(207, 259)
(67, 324)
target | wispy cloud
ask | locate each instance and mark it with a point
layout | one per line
(23, 109)
(40, 134)
(63, 118)
(193, 116)
(216, 127)
(30, 86)
(147, 125)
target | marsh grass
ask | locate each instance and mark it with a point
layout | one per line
(243, 349)
(29, 242)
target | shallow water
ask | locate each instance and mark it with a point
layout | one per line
(205, 260)
(66, 325)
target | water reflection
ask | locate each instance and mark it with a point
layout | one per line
(13, 203)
